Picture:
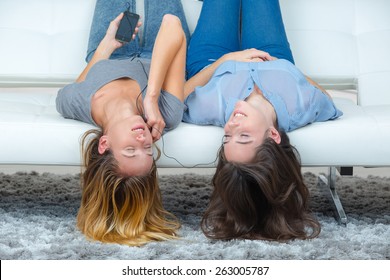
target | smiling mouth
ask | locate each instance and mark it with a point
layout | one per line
(138, 128)
(239, 114)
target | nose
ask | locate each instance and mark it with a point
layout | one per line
(140, 137)
(233, 123)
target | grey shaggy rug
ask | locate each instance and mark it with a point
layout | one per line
(38, 213)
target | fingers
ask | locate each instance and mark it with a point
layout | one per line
(117, 19)
(257, 59)
(156, 132)
(136, 30)
(258, 55)
(139, 23)
(114, 24)
(156, 129)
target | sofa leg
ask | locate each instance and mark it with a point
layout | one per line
(330, 183)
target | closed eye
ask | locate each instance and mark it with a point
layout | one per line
(149, 150)
(130, 150)
(226, 139)
(244, 139)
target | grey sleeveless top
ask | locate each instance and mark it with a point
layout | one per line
(74, 100)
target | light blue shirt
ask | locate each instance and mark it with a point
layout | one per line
(296, 102)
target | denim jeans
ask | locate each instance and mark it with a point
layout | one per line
(233, 25)
(105, 12)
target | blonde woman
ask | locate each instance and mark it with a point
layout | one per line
(132, 101)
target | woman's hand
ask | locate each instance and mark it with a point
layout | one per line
(109, 44)
(249, 55)
(106, 46)
(153, 117)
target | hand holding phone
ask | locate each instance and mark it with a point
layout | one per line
(127, 27)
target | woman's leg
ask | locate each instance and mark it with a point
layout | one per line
(263, 28)
(216, 33)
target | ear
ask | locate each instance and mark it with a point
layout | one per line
(103, 144)
(274, 134)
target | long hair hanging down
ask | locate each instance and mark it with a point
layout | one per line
(265, 199)
(119, 209)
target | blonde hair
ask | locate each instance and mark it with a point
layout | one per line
(119, 209)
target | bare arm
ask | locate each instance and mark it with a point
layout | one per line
(167, 70)
(202, 78)
(106, 47)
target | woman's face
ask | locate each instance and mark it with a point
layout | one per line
(244, 132)
(132, 145)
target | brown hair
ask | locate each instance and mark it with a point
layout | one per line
(265, 199)
(119, 209)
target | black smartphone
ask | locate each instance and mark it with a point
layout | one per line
(127, 27)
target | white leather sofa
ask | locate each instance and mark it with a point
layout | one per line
(342, 44)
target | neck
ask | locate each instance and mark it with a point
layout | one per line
(116, 103)
(117, 110)
(257, 99)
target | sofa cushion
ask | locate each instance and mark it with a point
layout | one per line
(34, 133)
(105, 12)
